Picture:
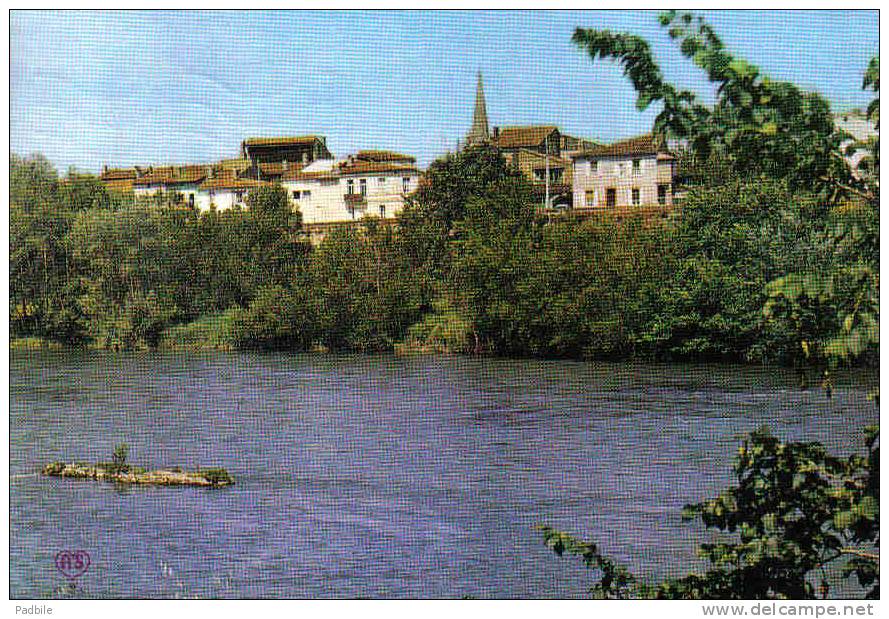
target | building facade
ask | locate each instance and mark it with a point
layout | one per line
(302, 149)
(368, 183)
(541, 152)
(625, 176)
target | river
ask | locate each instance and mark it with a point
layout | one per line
(382, 476)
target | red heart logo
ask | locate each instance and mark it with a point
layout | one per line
(72, 563)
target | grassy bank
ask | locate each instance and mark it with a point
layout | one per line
(33, 343)
(212, 332)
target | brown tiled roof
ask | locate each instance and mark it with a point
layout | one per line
(231, 182)
(173, 175)
(277, 168)
(239, 164)
(526, 154)
(523, 137)
(118, 174)
(282, 141)
(640, 145)
(350, 167)
(373, 167)
(383, 155)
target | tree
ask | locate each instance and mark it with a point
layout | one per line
(366, 293)
(757, 125)
(43, 279)
(276, 319)
(794, 511)
(271, 249)
(426, 224)
(130, 272)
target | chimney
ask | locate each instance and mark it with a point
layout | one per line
(104, 168)
(496, 132)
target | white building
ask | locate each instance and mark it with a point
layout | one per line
(224, 192)
(369, 183)
(623, 176)
(184, 181)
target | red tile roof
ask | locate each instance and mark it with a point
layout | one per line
(278, 168)
(173, 175)
(118, 174)
(640, 145)
(523, 137)
(351, 167)
(283, 141)
(383, 155)
(231, 182)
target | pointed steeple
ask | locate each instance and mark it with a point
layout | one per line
(479, 131)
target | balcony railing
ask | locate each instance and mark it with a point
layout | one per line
(355, 200)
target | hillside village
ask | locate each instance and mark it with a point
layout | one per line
(632, 176)
(566, 172)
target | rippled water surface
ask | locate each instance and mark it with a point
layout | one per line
(382, 476)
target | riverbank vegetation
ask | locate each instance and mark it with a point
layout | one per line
(780, 261)
(772, 257)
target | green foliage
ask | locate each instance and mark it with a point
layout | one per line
(570, 288)
(444, 330)
(757, 125)
(217, 476)
(119, 462)
(43, 283)
(795, 510)
(276, 319)
(835, 318)
(453, 180)
(615, 581)
(730, 242)
(427, 223)
(213, 331)
(366, 292)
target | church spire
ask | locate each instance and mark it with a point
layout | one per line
(479, 131)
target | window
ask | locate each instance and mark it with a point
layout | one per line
(307, 194)
(191, 199)
(239, 196)
(555, 175)
(540, 174)
(637, 166)
(405, 184)
(662, 194)
(363, 186)
(611, 197)
(590, 198)
(350, 186)
(382, 211)
(635, 196)
(381, 180)
(296, 195)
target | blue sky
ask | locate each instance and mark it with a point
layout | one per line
(153, 87)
